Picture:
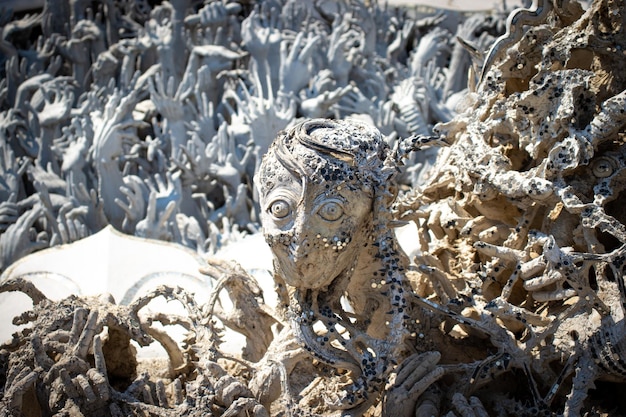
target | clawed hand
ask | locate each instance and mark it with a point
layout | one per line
(413, 377)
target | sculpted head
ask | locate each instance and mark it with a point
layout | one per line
(318, 186)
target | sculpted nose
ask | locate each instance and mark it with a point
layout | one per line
(298, 248)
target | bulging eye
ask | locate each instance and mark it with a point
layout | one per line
(331, 211)
(602, 167)
(280, 209)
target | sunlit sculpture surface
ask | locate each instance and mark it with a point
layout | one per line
(331, 124)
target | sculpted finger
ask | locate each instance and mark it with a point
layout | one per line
(422, 384)
(151, 214)
(160, 183)
(410, 366)
(28, 220)
(478, 407)
(418, 374)
(74, 230)
(167, 213)
(8, 212)
(309, 48)
(295, 47)
(126, 207)
(461, 405)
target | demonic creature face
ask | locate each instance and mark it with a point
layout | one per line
(317, 196)
(315, 235)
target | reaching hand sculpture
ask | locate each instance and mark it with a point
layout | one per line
(295, 68)
(19, 238)
(111, 93)
(262, 39)
(343, 49)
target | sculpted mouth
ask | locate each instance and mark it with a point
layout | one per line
(308, 274)
(301, 268)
